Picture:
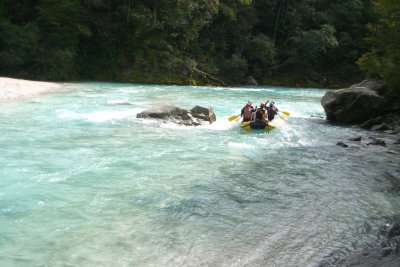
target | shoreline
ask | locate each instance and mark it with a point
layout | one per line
(16, 89)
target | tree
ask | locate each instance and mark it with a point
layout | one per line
(179, 41)
(383, 60)
(307, 47)
(61, 28)
(19, 46)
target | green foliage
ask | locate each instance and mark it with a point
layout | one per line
(235, 67)
(182, 41)
(59, 65)
(383, 60)
(19, 46)
(349, 19)
(60, 22)
(260, 49)
(309, 46)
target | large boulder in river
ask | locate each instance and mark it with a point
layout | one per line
(356, 104)
(368, 104)
(193, 117)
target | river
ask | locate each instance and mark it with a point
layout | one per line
(83, 182)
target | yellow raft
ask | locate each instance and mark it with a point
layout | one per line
(258, 125)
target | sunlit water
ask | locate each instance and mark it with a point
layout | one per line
(83, 182)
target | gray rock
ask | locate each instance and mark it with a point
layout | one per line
(368, 104)
(376, 142)
(354, 104)
(381, 127)
(371, 122)
(341, 144)
(206, 114)
(373, 85)
(194, 117)
(394, 230)
(355, 139)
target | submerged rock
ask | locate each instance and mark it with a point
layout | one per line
(341, 144)
(394, 230)
(356, 139)
(376, 142)
(196, 116)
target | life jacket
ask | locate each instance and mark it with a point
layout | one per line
(246, 114)
(260, 115)
(272, 111)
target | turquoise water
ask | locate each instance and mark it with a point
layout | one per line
(83, 182)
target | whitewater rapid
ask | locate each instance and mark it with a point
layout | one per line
(84, 182)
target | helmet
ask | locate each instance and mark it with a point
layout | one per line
(262, 105)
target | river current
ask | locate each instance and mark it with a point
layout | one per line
(83, 182)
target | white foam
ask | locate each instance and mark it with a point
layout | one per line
(221, 125)
(103, 116)
(100, 116)
(130, 91)
(241, 145)
(243, 89)
(237, 157)
(171, 125)
(67, 114)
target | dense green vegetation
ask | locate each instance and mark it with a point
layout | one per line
(305, 42)
(383, 60)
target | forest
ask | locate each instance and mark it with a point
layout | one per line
(316, 43)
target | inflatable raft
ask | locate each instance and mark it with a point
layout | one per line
(257, 125)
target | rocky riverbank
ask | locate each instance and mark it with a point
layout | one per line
(368, 104)
(372, 106)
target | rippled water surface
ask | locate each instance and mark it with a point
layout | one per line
(83, 182)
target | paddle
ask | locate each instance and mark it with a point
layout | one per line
(287, 113)
(233, 117)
